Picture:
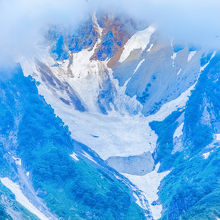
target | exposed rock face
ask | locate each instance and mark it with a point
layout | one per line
(136, 165)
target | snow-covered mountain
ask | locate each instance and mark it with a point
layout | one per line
(143, 114)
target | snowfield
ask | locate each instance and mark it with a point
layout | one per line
(74, 156)
(179, 131)
(140, 40)
(21, 198)
(149, 184)
(118, 133)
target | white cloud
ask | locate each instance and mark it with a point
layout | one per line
(187, 21)
(22, 22)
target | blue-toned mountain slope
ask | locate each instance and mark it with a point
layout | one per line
(191, 190)
(71, 189)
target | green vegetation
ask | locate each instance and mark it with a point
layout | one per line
(191, 191)
(3, 214)
(165, 131)
(71, 189)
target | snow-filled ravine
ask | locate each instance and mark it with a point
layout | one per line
(115, 134)
(119, 133)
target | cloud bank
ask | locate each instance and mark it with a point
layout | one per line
(190, 21)
(23, 22)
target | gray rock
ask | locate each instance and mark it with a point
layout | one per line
(136, 165)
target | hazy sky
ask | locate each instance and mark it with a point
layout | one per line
(192, 21)
(22, 22)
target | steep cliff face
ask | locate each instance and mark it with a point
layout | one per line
(147, 106)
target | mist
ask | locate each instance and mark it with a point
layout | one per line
(24, 22)
(187, 21)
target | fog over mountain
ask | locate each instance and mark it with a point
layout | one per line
(109, 110)
(195, 22)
